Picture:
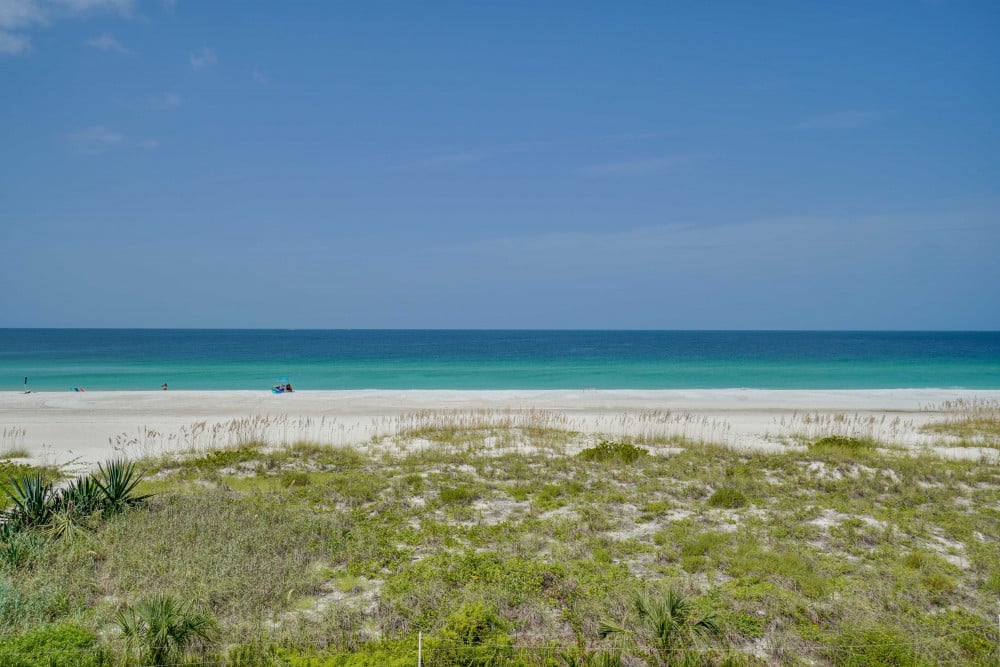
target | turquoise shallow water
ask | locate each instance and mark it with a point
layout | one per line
(131, 359)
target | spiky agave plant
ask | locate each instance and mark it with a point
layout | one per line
(78, 500)
(117, 481)
(33, 501)
(81, 497)
(163, 630)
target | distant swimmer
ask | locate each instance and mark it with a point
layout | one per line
(163, 386)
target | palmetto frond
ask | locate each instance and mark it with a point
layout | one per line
(163, 629)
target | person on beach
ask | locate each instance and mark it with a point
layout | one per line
(163, 386)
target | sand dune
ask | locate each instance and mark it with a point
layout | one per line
(89, 427)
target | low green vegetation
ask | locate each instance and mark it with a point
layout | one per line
(727, 497)
(605, 451)
(842, 443)
(968, 423)
(539, 550)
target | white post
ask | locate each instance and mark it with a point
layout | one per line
(420, 649)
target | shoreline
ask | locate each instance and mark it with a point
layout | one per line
(87, 427)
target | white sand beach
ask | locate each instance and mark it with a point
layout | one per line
(84, 428)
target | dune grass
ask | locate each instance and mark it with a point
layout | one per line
(507, 548)
(969, 423)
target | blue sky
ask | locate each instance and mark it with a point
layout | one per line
(667, 165)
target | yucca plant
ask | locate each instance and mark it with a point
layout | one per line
(163, 630)
(117, 481)
(33, 501)
(81, 497)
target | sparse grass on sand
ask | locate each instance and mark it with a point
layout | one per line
(971, 423)
(516, 543)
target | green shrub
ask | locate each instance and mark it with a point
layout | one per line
(25, 609)
(993, 583)
(414, 481)
(457, 495)
(967, 639)
(728, 498)
(295, 478)
(224, 458)
(876, 646)
(743, 623)
(357, 486)
(843, 443)
(19, 548)
(54, 646)
(380, 655)
(473, 636)
(606, 451)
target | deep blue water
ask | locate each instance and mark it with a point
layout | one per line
(111, 359)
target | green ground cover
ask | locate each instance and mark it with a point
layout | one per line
(518, 547)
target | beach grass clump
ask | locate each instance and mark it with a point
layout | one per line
(618, 451)
(458, 495)
(224, 458)
(727, 497)
(12, 443)
(970, 422)
(876, 645)
(843, 444)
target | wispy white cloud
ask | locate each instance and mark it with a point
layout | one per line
(19, 17)
(18, 14)
(121, 6)
(168, 100)
(765, 86)
(107, 42)
(443, 159)
(95, 139)
(637, 136)
(635, 167)
(13, 43)
(98, 139)
(202, 58)
(840, 120)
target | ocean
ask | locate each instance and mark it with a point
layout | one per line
(143, 359)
